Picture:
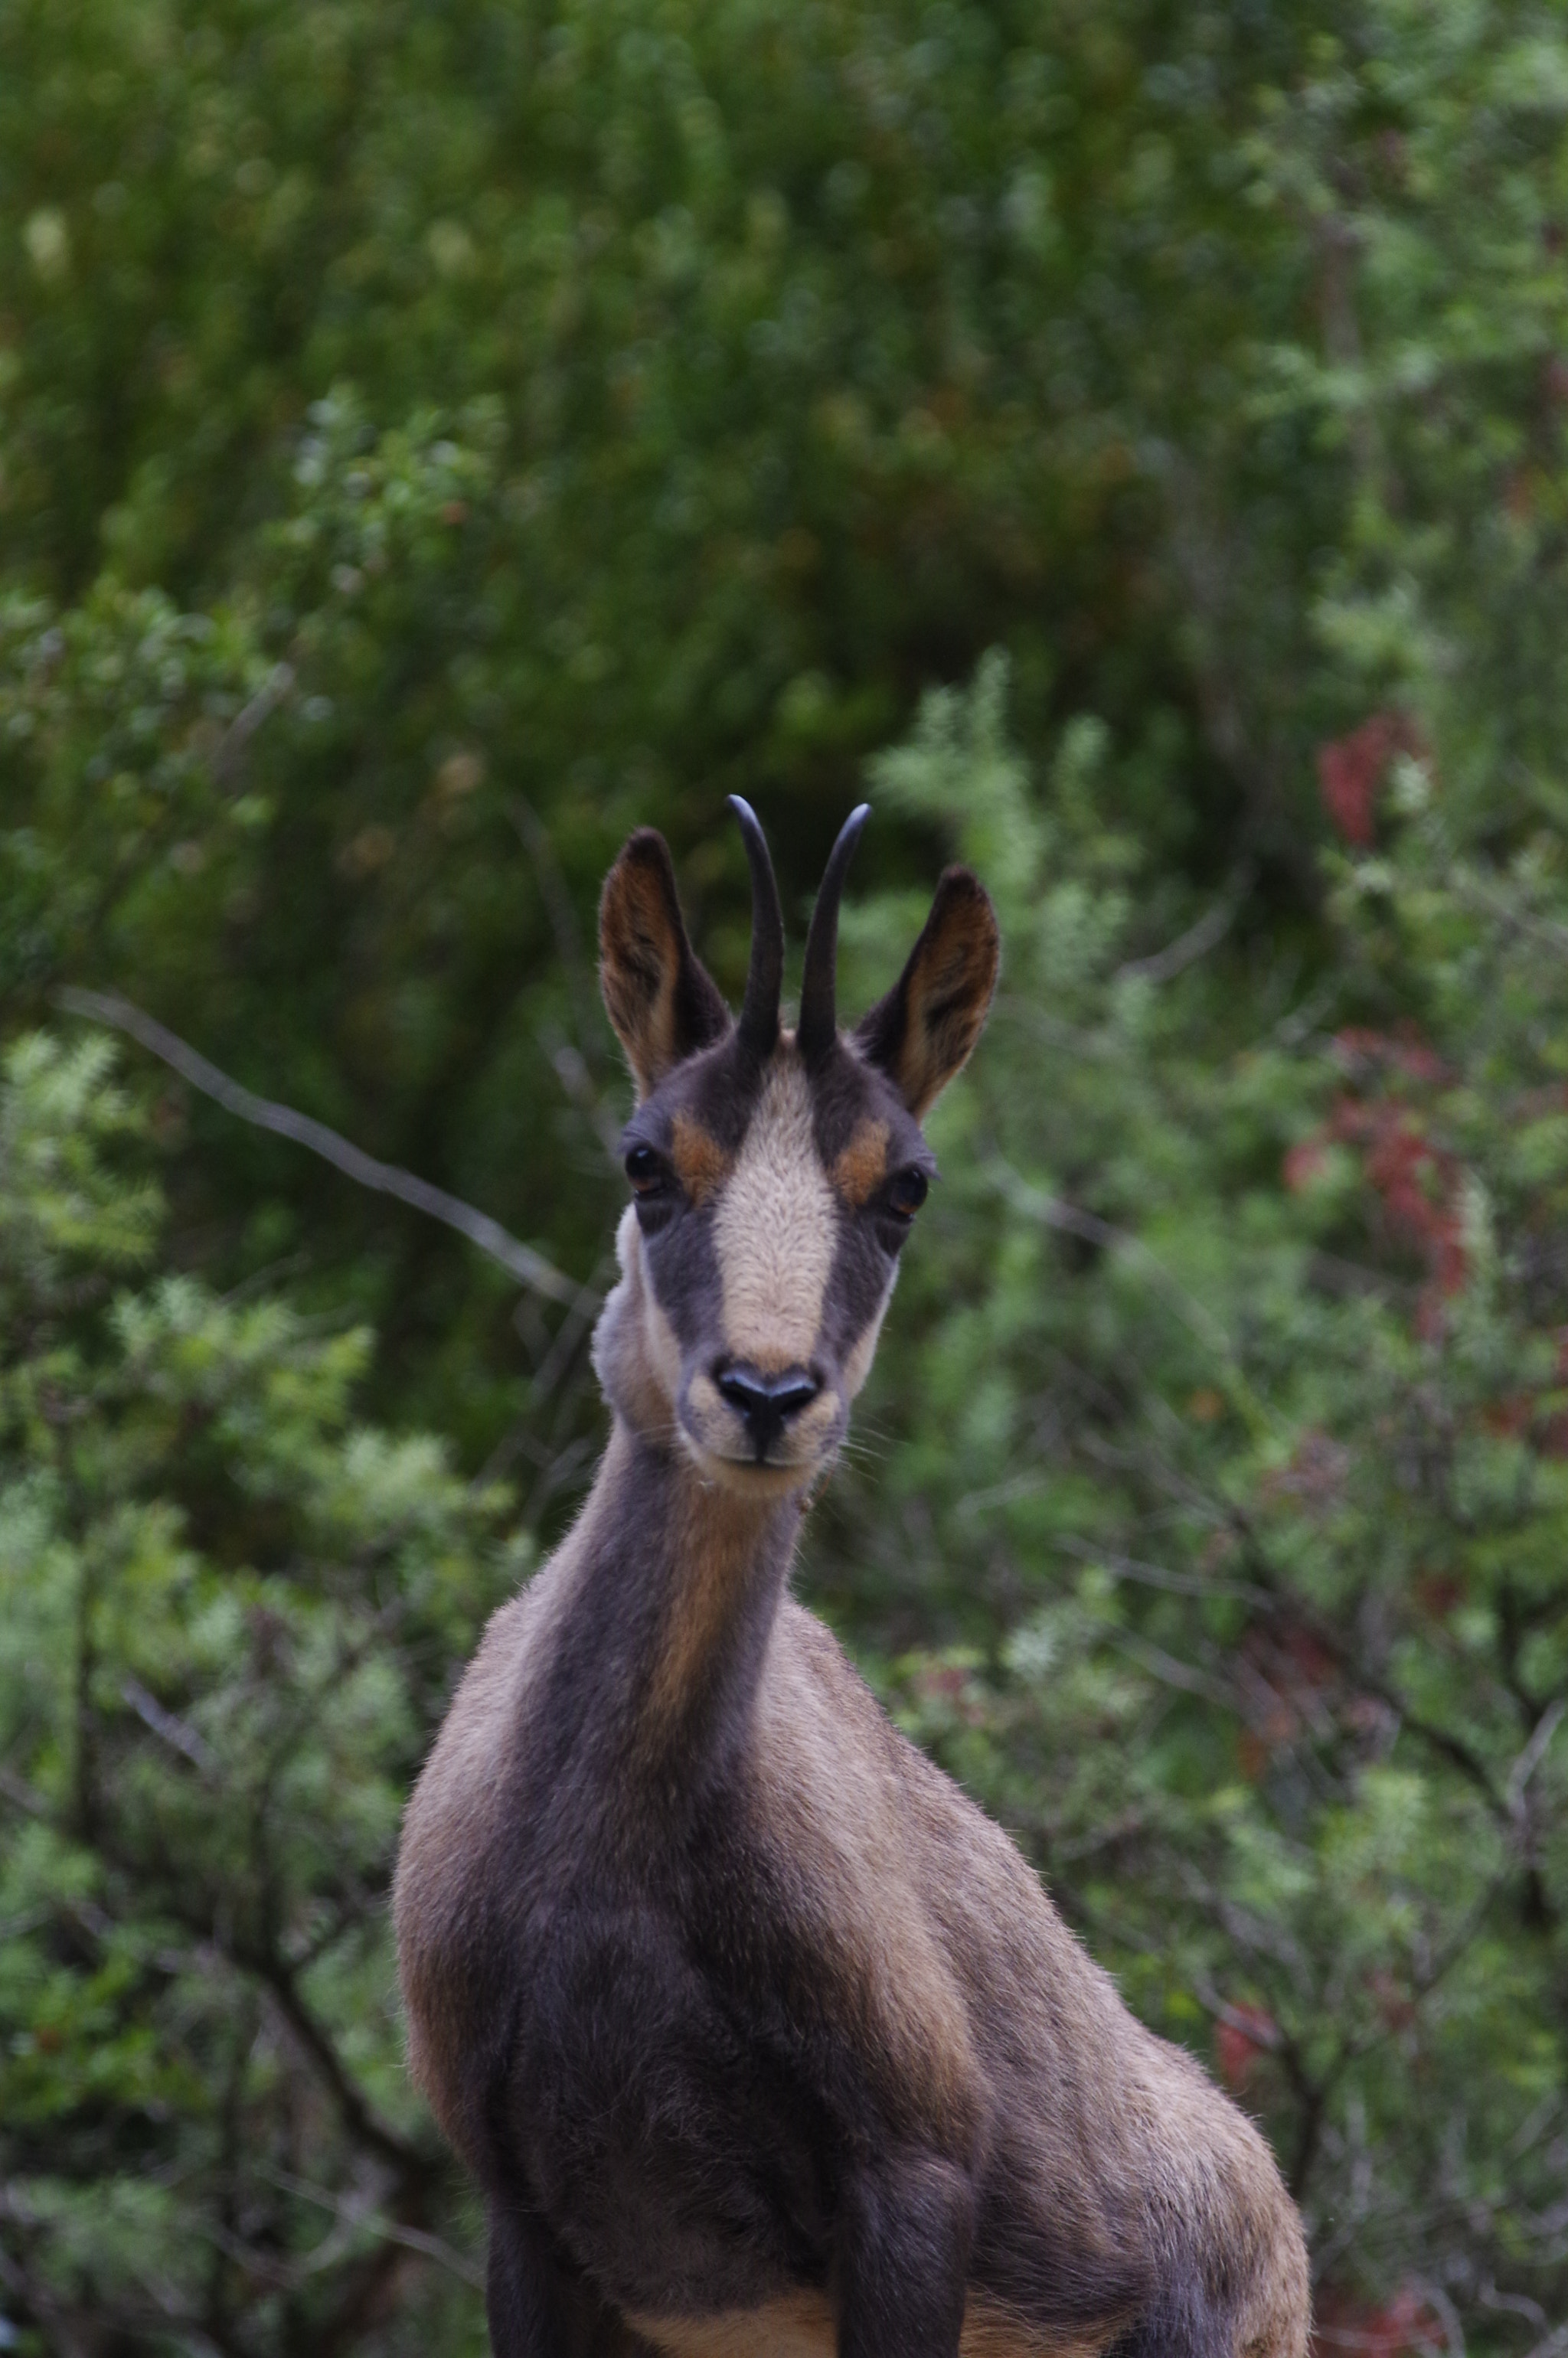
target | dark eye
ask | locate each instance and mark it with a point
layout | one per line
(645, 1171)
(907, 1192)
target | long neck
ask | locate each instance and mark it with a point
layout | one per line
(670, 1587)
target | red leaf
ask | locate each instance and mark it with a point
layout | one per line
(1350, 771)
(1242, 2034)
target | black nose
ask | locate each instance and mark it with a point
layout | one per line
(767, 1401)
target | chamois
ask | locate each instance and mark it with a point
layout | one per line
(760, 2040)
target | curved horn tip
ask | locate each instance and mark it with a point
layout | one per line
(759, 1022)
(847, 838)
(818, 1015)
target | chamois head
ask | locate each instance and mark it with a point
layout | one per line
(774, 1173)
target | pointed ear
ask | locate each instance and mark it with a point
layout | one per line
(923, 1031)
(658, 995)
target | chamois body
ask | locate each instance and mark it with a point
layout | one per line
(759, 2037)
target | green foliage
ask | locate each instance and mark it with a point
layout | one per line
(230, 1614)
(1252, 1431)
(1131, 440)
(580, 411)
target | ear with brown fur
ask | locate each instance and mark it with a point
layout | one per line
(921, 1032)
(658, 995)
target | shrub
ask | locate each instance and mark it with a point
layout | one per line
(228, 1614)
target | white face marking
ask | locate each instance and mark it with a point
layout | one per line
(664, 1347)
(635, 1353)
(775, 1229)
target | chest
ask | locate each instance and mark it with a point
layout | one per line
(680, 2141)
(708, 2018)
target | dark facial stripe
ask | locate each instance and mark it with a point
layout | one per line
(860, 1276)
(683, 1269)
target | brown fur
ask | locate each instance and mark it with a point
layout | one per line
(926, 1029)
(658, 1755)
(659, 998)
(717, 1539)
(802, 2325)
(702, 1164)
(929, 1934)
(860, 1168)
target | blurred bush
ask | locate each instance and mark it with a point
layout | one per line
(1230, 1430)
(434, 440)
(230, 1613)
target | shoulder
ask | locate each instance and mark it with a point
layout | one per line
(451, 1810)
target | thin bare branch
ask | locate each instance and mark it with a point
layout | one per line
(1169, 1670)
(1156, 1575)
(1210, 930)
(520, 1261)
(375, 2223)
(229, 760)
(177, 1733)
(1534, 1752)
(360, 2116)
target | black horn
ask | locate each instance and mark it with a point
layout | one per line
(759, 1027)
(818, 989)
